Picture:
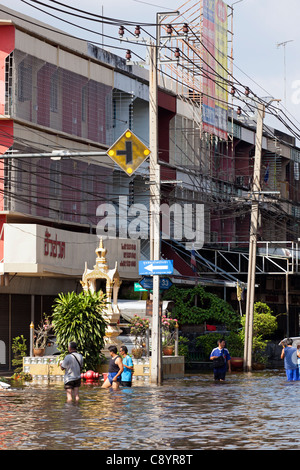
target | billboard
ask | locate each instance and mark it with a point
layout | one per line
(214, 67)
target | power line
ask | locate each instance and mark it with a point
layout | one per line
(222, 78)
(114, 21)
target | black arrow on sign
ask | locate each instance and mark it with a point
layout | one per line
(127, 152)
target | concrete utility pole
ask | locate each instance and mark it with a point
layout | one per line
(156, 361)
(253, 240)
(155, 248)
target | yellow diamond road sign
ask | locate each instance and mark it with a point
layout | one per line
(128, 152)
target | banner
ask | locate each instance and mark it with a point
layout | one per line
(214, 40)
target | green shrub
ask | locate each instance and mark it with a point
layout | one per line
(183, 347)
(233, 340)
(264, 325)
(79, 317)
(207, 343)
(209, 308)
(19, 350)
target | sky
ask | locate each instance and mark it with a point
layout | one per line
(258, 26)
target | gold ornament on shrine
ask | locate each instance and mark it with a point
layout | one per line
(113, 282)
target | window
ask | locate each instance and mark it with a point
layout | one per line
(84, 103)
(24, 81)
(55, 179)
(8, 83)
(130, 116)
(54, 93)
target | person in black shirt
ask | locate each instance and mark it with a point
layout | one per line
(115, 369)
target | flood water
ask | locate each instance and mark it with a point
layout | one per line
(247, 412)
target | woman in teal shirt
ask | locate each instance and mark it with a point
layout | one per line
(126, 376)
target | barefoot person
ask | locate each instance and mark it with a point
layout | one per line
(115, 369)
(72, 365)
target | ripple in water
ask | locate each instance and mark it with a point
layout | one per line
(193, 413)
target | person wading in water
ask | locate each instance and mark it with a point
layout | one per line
(115, 369)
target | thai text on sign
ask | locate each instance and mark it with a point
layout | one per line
(54, 247)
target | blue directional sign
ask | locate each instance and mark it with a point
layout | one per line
(164, 283)
(152, 268)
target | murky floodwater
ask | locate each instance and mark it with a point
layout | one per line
(246, 412)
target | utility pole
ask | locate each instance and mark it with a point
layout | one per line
(155, 184)
(156, 360)
(253, 240)
(155, 248)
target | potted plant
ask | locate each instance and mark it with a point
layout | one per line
(169, 327)
(235, 345)
(41, 337)
(139, 327)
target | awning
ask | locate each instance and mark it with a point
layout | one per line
(296, 341)
(129, 308)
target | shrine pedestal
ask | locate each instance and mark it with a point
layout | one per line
(46, 369)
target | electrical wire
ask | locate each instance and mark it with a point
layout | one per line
(115, 22)
(122, 21)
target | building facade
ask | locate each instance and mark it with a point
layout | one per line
(59, 93)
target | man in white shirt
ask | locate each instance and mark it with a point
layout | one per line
(72, 365)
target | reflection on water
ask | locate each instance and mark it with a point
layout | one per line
(245, 412)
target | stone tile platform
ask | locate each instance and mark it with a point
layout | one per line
(47, 368)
